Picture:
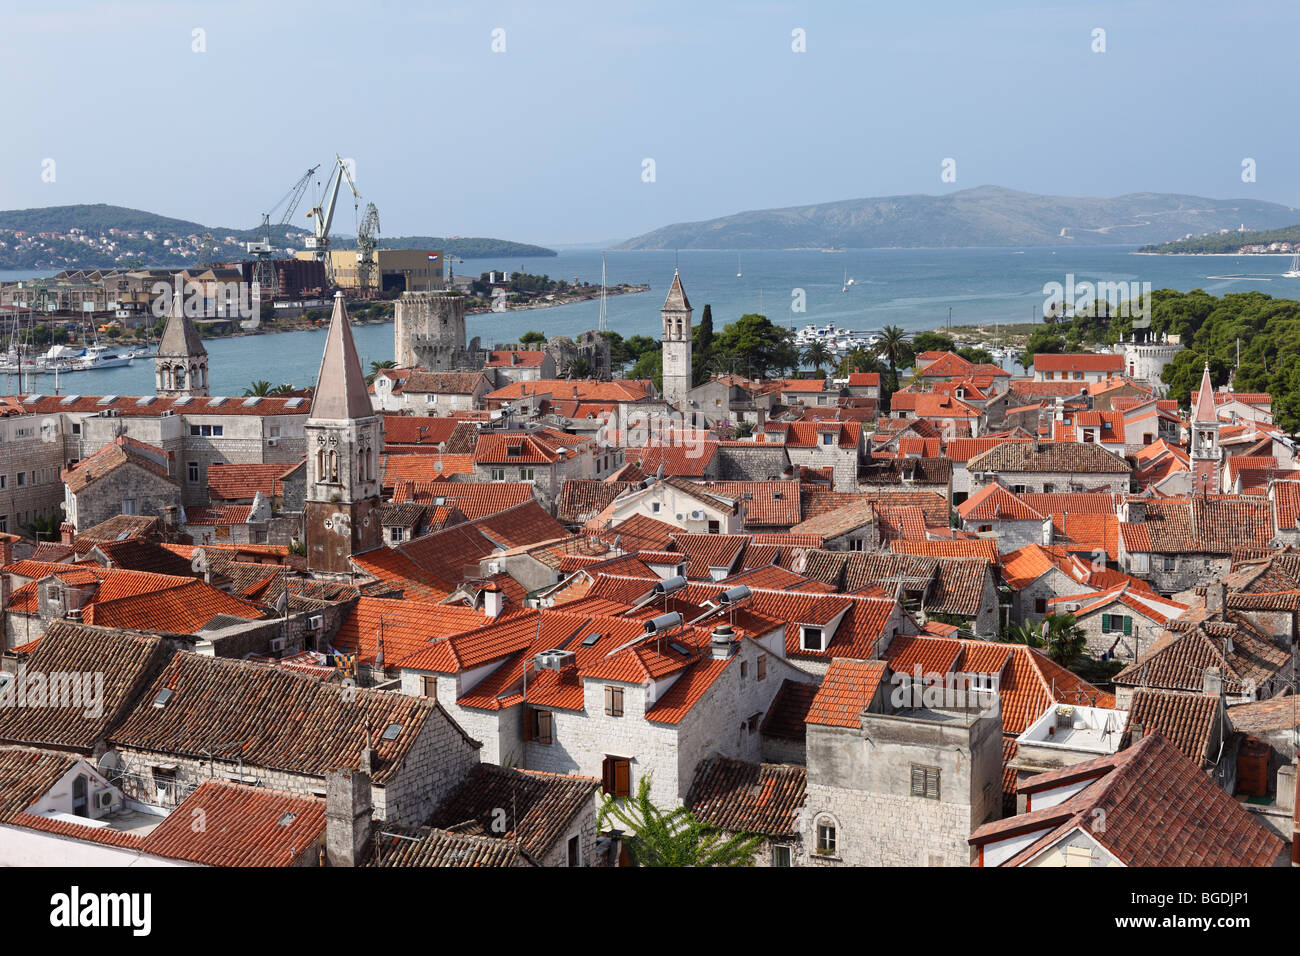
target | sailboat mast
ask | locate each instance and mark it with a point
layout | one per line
(603, 323)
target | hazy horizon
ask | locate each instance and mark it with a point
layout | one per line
(545, 140)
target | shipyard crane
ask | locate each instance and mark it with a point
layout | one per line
(322, 214)
(262, 250)
(367, 242)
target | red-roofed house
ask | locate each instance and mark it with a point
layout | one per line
(1077, 367)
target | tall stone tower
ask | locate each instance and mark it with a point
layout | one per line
(677, 344)
(181, 365)
(1206, 459)
(429, 331)
(344, 440)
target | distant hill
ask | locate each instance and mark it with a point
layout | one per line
(1225, 243)
(465, 247)
(172, 244)
(984, 216)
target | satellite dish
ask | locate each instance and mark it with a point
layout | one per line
(109, 763)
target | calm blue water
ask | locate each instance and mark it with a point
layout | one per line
(912, 288)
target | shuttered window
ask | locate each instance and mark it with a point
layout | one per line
(925, 782)
(538, 726)
(616, 776)
(613, 701)
(1105, 624)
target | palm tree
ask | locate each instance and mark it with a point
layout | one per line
(376, 368)
(816, 354)
(1065, 640)
(891, 347)
(283, 389)
(580, 368)
(260, 388)
(673, 839)
(1022, 633)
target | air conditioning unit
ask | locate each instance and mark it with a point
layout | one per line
(104, 800)
(697, 515)
(554, 660)
(680, 516)
(272, 442)
(316, 622)
(278, 644)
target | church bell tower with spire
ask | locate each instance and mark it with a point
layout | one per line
(344, 440)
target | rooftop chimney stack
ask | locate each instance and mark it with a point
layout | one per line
(494, 600)
(723, 645)
(347, 817)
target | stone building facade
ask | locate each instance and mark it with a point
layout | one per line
(676, 315)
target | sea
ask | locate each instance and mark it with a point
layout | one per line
(916, 289)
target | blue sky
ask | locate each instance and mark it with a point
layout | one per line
(544, 142)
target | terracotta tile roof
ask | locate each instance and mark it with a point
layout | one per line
(1178, 661)
(26, 775)
(687, 690)
(1185, 720)
(1161, 810)
(418, 430)
(287, 722)
(933, 655)
(788, 711)
(1009, 747)
(817, 501)
(407, 626)
(202, 515)
(445, 383)
(964, 449)
(739, 797)
(411, 846)
(1264, 716)
(126, 662)
(708, 551)
(121, 451)
(951, 585)
(985, 548)
(582, 499)
(845, 692)
(474, 499)
(1078, 362)
(244, 826)
(240, 482)
(641, 533)
(898, 524)
(140, 554)
(1080, 458)
(539, 807)
(947, 365)
(394, 469)
(766, 503)
(864, 379)
(514, 358)
(1241, 527)
(676, 460)
(995, 503)
(401, 574)
(161, 602)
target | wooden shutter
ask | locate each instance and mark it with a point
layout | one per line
(932, 784)
(1128, 625)
(918, 781)
(544, 719)
(622, 778)
(530, 724)
(1105, 624)
(607, 775)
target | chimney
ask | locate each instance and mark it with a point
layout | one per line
(1138, 731)
(7, 548)
(723, 644)
(347, 817)
(1213, 682)
(1215, 596)
(67, 533)
(494, 600)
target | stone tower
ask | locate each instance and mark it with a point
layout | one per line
(1205, 439)
(181, 365)
(344, 439)
(429, 331)
(676, 344)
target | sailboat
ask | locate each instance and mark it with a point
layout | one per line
(739, 271)
(1294, 271)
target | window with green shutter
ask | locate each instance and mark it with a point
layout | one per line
(1105, 624)
(1128, 625)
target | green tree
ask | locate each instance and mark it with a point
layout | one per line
(284, 388)
(860, 360)
(1021, 633)
(1183, 375)
(532, 338)
(44, 528)
(1064, 639)
(933, 342)
(260, 388)
(766, 347)
(676, 838)
(1044, 339)
(650, 365)
(580, 368)
(894, 349)
(978, 356)
(377, 367)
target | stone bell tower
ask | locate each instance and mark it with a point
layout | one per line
(181, 364)
(676, 344)
(344, 439)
